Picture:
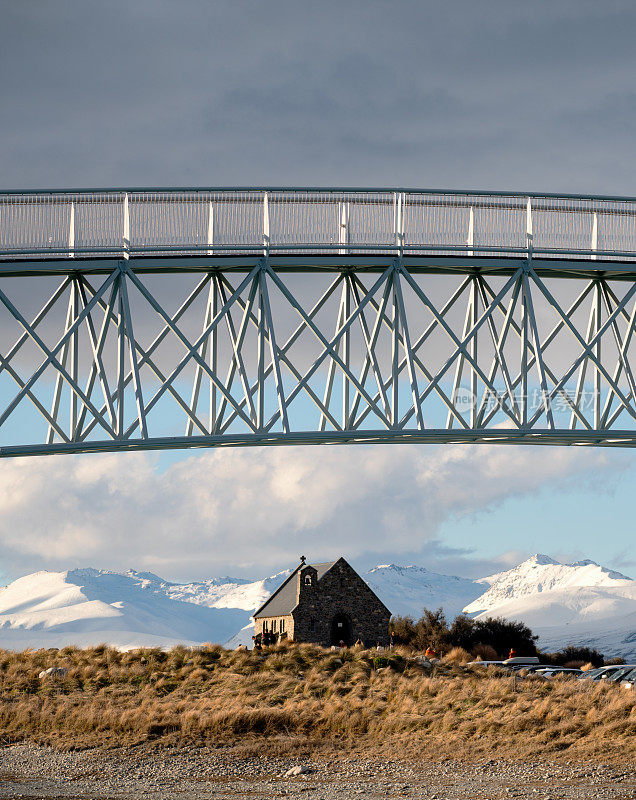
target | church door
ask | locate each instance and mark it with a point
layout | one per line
(341, 630)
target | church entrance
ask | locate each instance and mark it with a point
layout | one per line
(341, 630)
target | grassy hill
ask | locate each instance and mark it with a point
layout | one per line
(303, 697)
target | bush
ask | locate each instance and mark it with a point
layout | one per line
(403, 630)
(578, 655)
(457, 656)
(485, 652)
(497, 635)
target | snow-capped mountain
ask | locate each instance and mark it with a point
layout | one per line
(580, 604)
(408, 590)
(89, 606)
(540, 573)
(227, 592)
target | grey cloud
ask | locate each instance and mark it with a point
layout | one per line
(407, 93)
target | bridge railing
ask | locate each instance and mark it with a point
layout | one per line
(136, 223)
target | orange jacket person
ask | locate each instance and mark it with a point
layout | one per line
(430, 653)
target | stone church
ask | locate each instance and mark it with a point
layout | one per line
(325, 604)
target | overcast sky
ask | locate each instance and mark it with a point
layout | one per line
(422, 94)
(533, 96)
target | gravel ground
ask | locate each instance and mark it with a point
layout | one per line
(191, 773)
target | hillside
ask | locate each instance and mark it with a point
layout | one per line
(306, 699)
(580, 604)
(407, 590)
(540, 573)
(88, 606)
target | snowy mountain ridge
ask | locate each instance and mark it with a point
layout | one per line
(408, 590)
(540, 573)
(577, 603)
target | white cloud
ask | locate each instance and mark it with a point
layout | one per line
(254, 509)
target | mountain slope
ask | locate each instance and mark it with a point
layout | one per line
(540, 573)
(227, 592)
(89, 606)
(408, 590)
(578, 604)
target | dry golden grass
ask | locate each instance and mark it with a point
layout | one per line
(353, 699)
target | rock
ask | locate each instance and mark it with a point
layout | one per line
(241, 647)
(300, 770)
(54, 672)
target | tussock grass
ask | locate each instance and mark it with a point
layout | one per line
(353, 699)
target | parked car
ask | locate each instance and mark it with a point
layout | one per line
(600, 672)
(550, 672)
(629, 681)
(620, 674)
(514, 663)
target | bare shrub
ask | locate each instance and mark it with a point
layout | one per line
(485, 652)
(457, 656)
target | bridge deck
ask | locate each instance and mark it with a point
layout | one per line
(307, 316)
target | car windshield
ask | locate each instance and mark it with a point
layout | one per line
(591, 673)
(619, 674)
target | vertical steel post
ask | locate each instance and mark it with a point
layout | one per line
(260, 409)
(597, 352)
(524, 318)
(121, 358)
(266, 240)
(214, 348)
(395, 354)
(346, 350)
(524, 356)
(473, 351)
(210, 229)
(343, 228)
(126, 228)
(71, 233)
(74, 357)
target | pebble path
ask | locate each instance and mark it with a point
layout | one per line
(196, 773)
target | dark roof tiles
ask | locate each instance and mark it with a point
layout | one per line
(284, 600)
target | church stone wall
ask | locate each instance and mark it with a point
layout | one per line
(340, 591)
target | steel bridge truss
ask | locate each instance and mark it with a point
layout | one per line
(121, 351)
(371, 371)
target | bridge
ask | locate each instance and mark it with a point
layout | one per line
(156, 319)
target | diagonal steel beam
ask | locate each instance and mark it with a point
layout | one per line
(587, 348)
(191, 349)
(418, 362)
(406, 340)
(461, 346)
(285, 349)
(330, 345)
(50, 355)
(280, 391)
(112, 317)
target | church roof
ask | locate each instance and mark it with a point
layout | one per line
(284, 600)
